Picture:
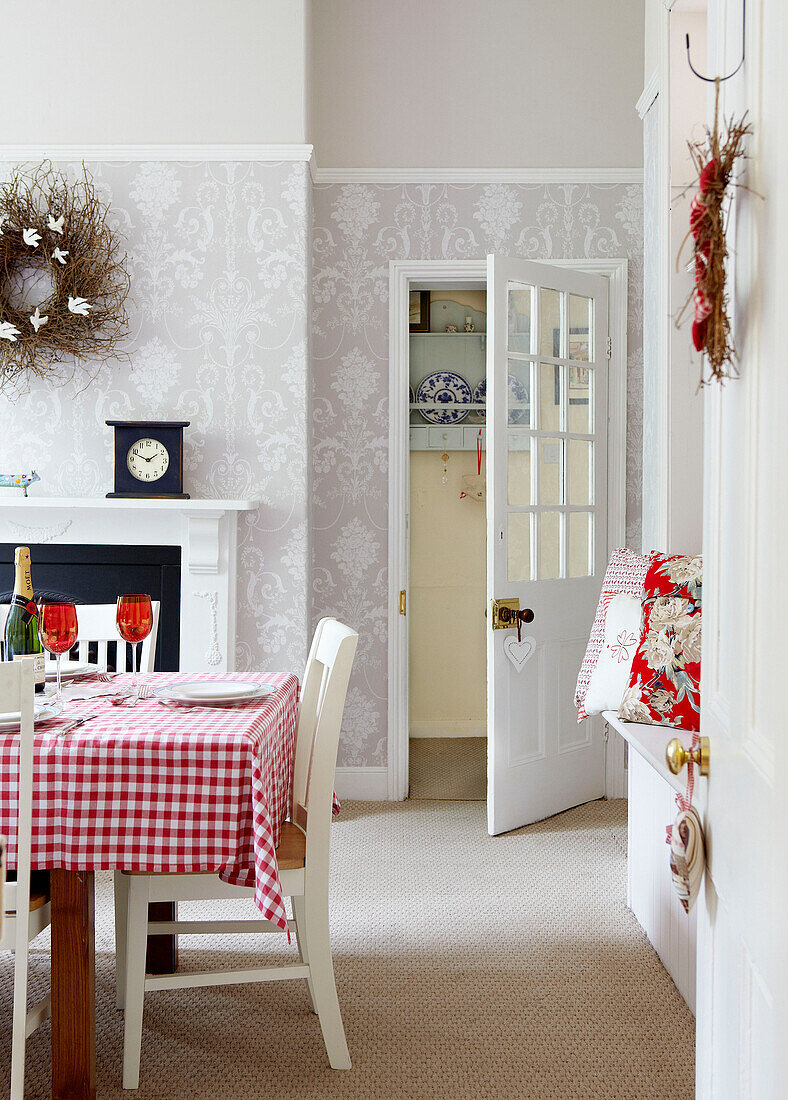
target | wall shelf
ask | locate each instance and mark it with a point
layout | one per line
(446, 437)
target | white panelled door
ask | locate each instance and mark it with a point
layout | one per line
(546, 531)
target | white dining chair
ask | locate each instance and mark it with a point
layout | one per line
(96, 625)
(302, 857)
(26, 912)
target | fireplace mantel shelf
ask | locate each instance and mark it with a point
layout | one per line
(128, 504)
(205, 530)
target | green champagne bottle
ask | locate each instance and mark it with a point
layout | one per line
(21, 628)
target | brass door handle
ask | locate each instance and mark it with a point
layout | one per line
(677, 755)
(507, 614)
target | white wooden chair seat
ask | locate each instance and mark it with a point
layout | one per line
(303, 870)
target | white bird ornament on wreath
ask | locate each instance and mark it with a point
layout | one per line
(3, 220)
(79, 306)
(31, 237)
(60, 255)
(55, 225)
(8, 331)
(36, 320)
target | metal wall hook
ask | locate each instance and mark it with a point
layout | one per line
(719, 79)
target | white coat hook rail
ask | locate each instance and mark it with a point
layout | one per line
(720, 79)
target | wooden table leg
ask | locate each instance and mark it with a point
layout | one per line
(162, 954)
(73, 986)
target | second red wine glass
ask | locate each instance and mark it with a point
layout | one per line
(135, 622)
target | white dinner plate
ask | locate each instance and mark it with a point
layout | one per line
(9, 720)
(69, 670)
(214, 692)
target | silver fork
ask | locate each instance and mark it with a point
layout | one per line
(143, 691)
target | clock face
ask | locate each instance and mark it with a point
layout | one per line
(147, 460)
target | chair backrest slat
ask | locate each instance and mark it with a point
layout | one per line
(17, 692)
(96, 624)
(323, 696)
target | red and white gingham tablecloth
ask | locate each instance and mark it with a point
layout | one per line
(154, 788)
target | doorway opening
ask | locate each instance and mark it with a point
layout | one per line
(447, 672)
(416, 277)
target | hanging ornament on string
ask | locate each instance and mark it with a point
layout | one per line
(445, 460)
(474, 483)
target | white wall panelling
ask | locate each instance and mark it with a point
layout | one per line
(651, 896)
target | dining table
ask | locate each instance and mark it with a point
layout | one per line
(146, 787)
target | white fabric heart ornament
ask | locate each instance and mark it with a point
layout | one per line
(610, 677)
(519, 653)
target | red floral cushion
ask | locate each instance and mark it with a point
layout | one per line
(664, 684)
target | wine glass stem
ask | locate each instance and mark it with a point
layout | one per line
(58, 693)
(135, 655)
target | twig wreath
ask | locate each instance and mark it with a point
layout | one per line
(63, 279)
(715, 163)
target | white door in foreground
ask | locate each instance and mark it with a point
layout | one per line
(546, 531)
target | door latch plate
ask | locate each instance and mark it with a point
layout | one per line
(512, 604)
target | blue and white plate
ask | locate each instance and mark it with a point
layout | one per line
(518, 393)
(445, 387)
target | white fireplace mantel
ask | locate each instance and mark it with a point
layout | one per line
(205, 530)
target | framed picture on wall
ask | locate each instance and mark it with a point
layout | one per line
(419, 311)
(578, 339)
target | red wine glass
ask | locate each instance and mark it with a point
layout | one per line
(57, 629)
(135, 622)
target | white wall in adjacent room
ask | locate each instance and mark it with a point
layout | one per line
(456, 83)
(154, 71)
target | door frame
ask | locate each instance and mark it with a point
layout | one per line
(401, 274)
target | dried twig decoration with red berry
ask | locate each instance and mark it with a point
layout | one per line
(715, 163)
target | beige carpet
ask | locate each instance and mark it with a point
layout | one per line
(454, 768)
(468, 967)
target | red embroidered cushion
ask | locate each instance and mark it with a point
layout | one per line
(664, 684)
(625, 572)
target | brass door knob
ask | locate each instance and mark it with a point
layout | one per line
(677, 755)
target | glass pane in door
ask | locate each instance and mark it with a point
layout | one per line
(580, 328)
(580, 541)
(549, 545)
(551, 470)
(580, 471)
(519, 317)
(552, 322)
(552, 396)
(518, 457)
(518, 391)
(581, 396)
(518, 546)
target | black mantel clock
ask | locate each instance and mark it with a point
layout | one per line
(149, 458)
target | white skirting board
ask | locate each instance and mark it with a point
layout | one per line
(364, 784)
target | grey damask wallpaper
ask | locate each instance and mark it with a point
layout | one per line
(219, 320)
(358, 228)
